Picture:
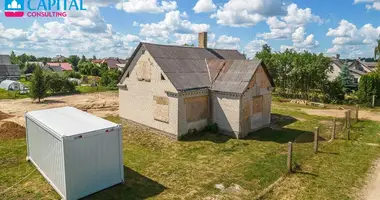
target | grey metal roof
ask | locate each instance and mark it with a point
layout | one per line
(9, 70)
(5, 60)
(186, 67)
(357, 71)
(235, 76)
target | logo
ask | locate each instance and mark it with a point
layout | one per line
(41, 8)
(14, 8)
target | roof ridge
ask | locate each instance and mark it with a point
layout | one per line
(194, 47)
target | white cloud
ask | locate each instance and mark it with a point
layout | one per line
(284, 27)
(173, 23)
(182, 39)
(352, 41)
(253, 47)
(146, 6)
(88, 21)
(61, 38)
(244, 13)
(370, 4)
(204, 6)
(300, 42)
(226, 42)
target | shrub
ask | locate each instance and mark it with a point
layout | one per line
(73, 74)
(369, 85)
(213, 128)
(55, 83)
(110, 78)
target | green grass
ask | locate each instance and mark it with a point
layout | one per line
(159, 168)
(4, 94)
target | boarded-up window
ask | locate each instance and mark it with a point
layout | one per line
(143, 71)
(161, 109)
(257, 105)
(247, 110)
(196, 108)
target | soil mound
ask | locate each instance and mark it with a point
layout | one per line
(11, 130)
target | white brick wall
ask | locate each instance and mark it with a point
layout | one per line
(136, 102)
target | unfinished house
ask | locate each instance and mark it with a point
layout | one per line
(175, 89)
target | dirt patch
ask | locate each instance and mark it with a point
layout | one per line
(4, 116)
(11, 130)
(363, 114)
(372, 190)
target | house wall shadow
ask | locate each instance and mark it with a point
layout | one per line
(135, 186)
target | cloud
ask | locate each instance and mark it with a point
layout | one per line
(88, 21)
(204, 6)
(182, 39)
(173, 23)
(253, 47)
(284, 27)
(370, 4)
(44, 39)
(245, 13)
(227, 42)
(146, 6)
(300, 42)
(352, 41)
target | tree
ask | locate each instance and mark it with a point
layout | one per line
(93, 57)
(13, 58)
(74, 60)
(83, 59)
(38, 85)
(347, 79)
(377, 49)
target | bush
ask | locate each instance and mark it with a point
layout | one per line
(369, 85)
(58, 84)
(73, 74)
(213, 128)
(110, 78)
(38, 85)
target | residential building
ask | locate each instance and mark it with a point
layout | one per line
(58, 67)
(8, 71)
(112, 63)
(175, 89)
(59, 58)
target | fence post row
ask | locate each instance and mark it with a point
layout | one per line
(290, 154)
(316, 135)
(373, 100)
(357, 113)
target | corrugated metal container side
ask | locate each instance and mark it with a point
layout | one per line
(75, 164)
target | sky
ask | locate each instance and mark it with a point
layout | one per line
(115, 27)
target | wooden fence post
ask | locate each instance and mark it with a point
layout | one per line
(348, 134)
(357, 113)
(334, 130)
(373, 100)
(316, 135)
(348, 119)
(290, 155)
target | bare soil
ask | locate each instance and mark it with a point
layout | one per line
(363, 114)
(11, 130)
(101, 104)
(372, 189)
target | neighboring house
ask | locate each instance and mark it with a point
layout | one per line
(363, 66)
(112, 63)
(59, 58)
(121, 67)
(175, 89)
(40, 64)
(58, 67)
(7, 70)
(336, 68)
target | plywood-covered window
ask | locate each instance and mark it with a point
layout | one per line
(161, 109)
(196, 108)
(257, 103)
(144, 71)
(246, 110)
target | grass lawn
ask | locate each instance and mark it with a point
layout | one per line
(159, 168)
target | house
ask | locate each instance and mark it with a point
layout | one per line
(336, 66)
(121, 67)
(8, 71)
(175, 89)
(112, 63)
(58, 67)
(59, 58)
(40, 64)
(363, 66)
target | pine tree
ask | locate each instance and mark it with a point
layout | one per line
(38, 86)
(347, 79)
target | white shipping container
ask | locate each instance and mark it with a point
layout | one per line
(78, 153)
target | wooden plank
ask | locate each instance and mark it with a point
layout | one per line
(161, 100)
(196, 108)
(161, 109)
(257, 103)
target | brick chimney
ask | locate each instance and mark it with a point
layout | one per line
(338, 56)
(202, 40)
